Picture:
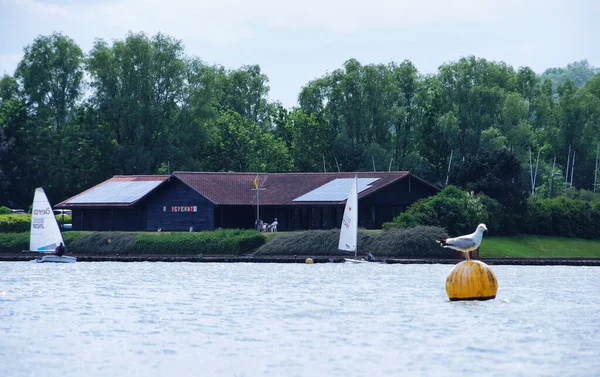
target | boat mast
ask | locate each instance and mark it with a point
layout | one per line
(596, 171)
(567, 169)
(356, 191)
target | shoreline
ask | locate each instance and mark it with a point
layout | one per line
(302, 259)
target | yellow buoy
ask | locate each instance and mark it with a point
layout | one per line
(309, 261)
(471, 280)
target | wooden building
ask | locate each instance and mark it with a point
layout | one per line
(204, 201)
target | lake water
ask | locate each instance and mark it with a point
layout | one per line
(204, 319)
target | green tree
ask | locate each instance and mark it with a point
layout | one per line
(474, 89)
(405, 111)
(238, 144)
(514, 124)
(311, 142)
(19, 162)
(245, 92)
(497, 174)
(492, 140)
(577, 72)
(438, 133)
(138, 85)
(51, 74)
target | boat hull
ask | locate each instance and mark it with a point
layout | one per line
(56, 259)
(355, 260)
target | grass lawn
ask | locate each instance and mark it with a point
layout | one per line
(539, 247)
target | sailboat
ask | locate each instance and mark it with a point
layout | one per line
(349, 231)
(45, 234)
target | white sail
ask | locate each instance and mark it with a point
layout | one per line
(349, 230)
(45, 233)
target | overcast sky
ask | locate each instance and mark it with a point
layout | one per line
(297, 41)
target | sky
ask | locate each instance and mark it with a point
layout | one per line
(295, 41)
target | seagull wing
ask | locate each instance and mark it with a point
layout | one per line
(461, 243)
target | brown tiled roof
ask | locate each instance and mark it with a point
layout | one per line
(116, 178)
(279, 188)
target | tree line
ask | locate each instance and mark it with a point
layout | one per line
(141, 105)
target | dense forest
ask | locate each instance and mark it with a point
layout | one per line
(140, 105)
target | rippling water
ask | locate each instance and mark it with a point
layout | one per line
(203, 319)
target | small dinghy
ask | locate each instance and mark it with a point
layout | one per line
(45, 234)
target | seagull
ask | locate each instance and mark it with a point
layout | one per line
(465, 243)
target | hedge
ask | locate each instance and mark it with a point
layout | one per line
(22, 223)
(218, 242)
(15, 223)
(563, 217)
(412, 242)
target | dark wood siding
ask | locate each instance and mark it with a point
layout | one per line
(76, 218)
(175, 193)
(128, 220)
(96, 219)
(106, 219)
(235, 217)
(387, 203)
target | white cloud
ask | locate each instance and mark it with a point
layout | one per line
(235, 20)
(297, 40)
(43, 8)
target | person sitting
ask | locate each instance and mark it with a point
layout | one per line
(273, 226)
(371, 257)
(259, 225)
(60, 250)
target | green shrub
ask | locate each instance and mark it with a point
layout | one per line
(14, 242)
(5, 210)
(312, 242)
(15, 223)
(22, 223)
(457, 211)
(64, 219)
(218, 242)
(17, 242)
(563, 217)
(416, 242)
(412, 242)
(221, 242)
(99, 242)
(500, 220)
